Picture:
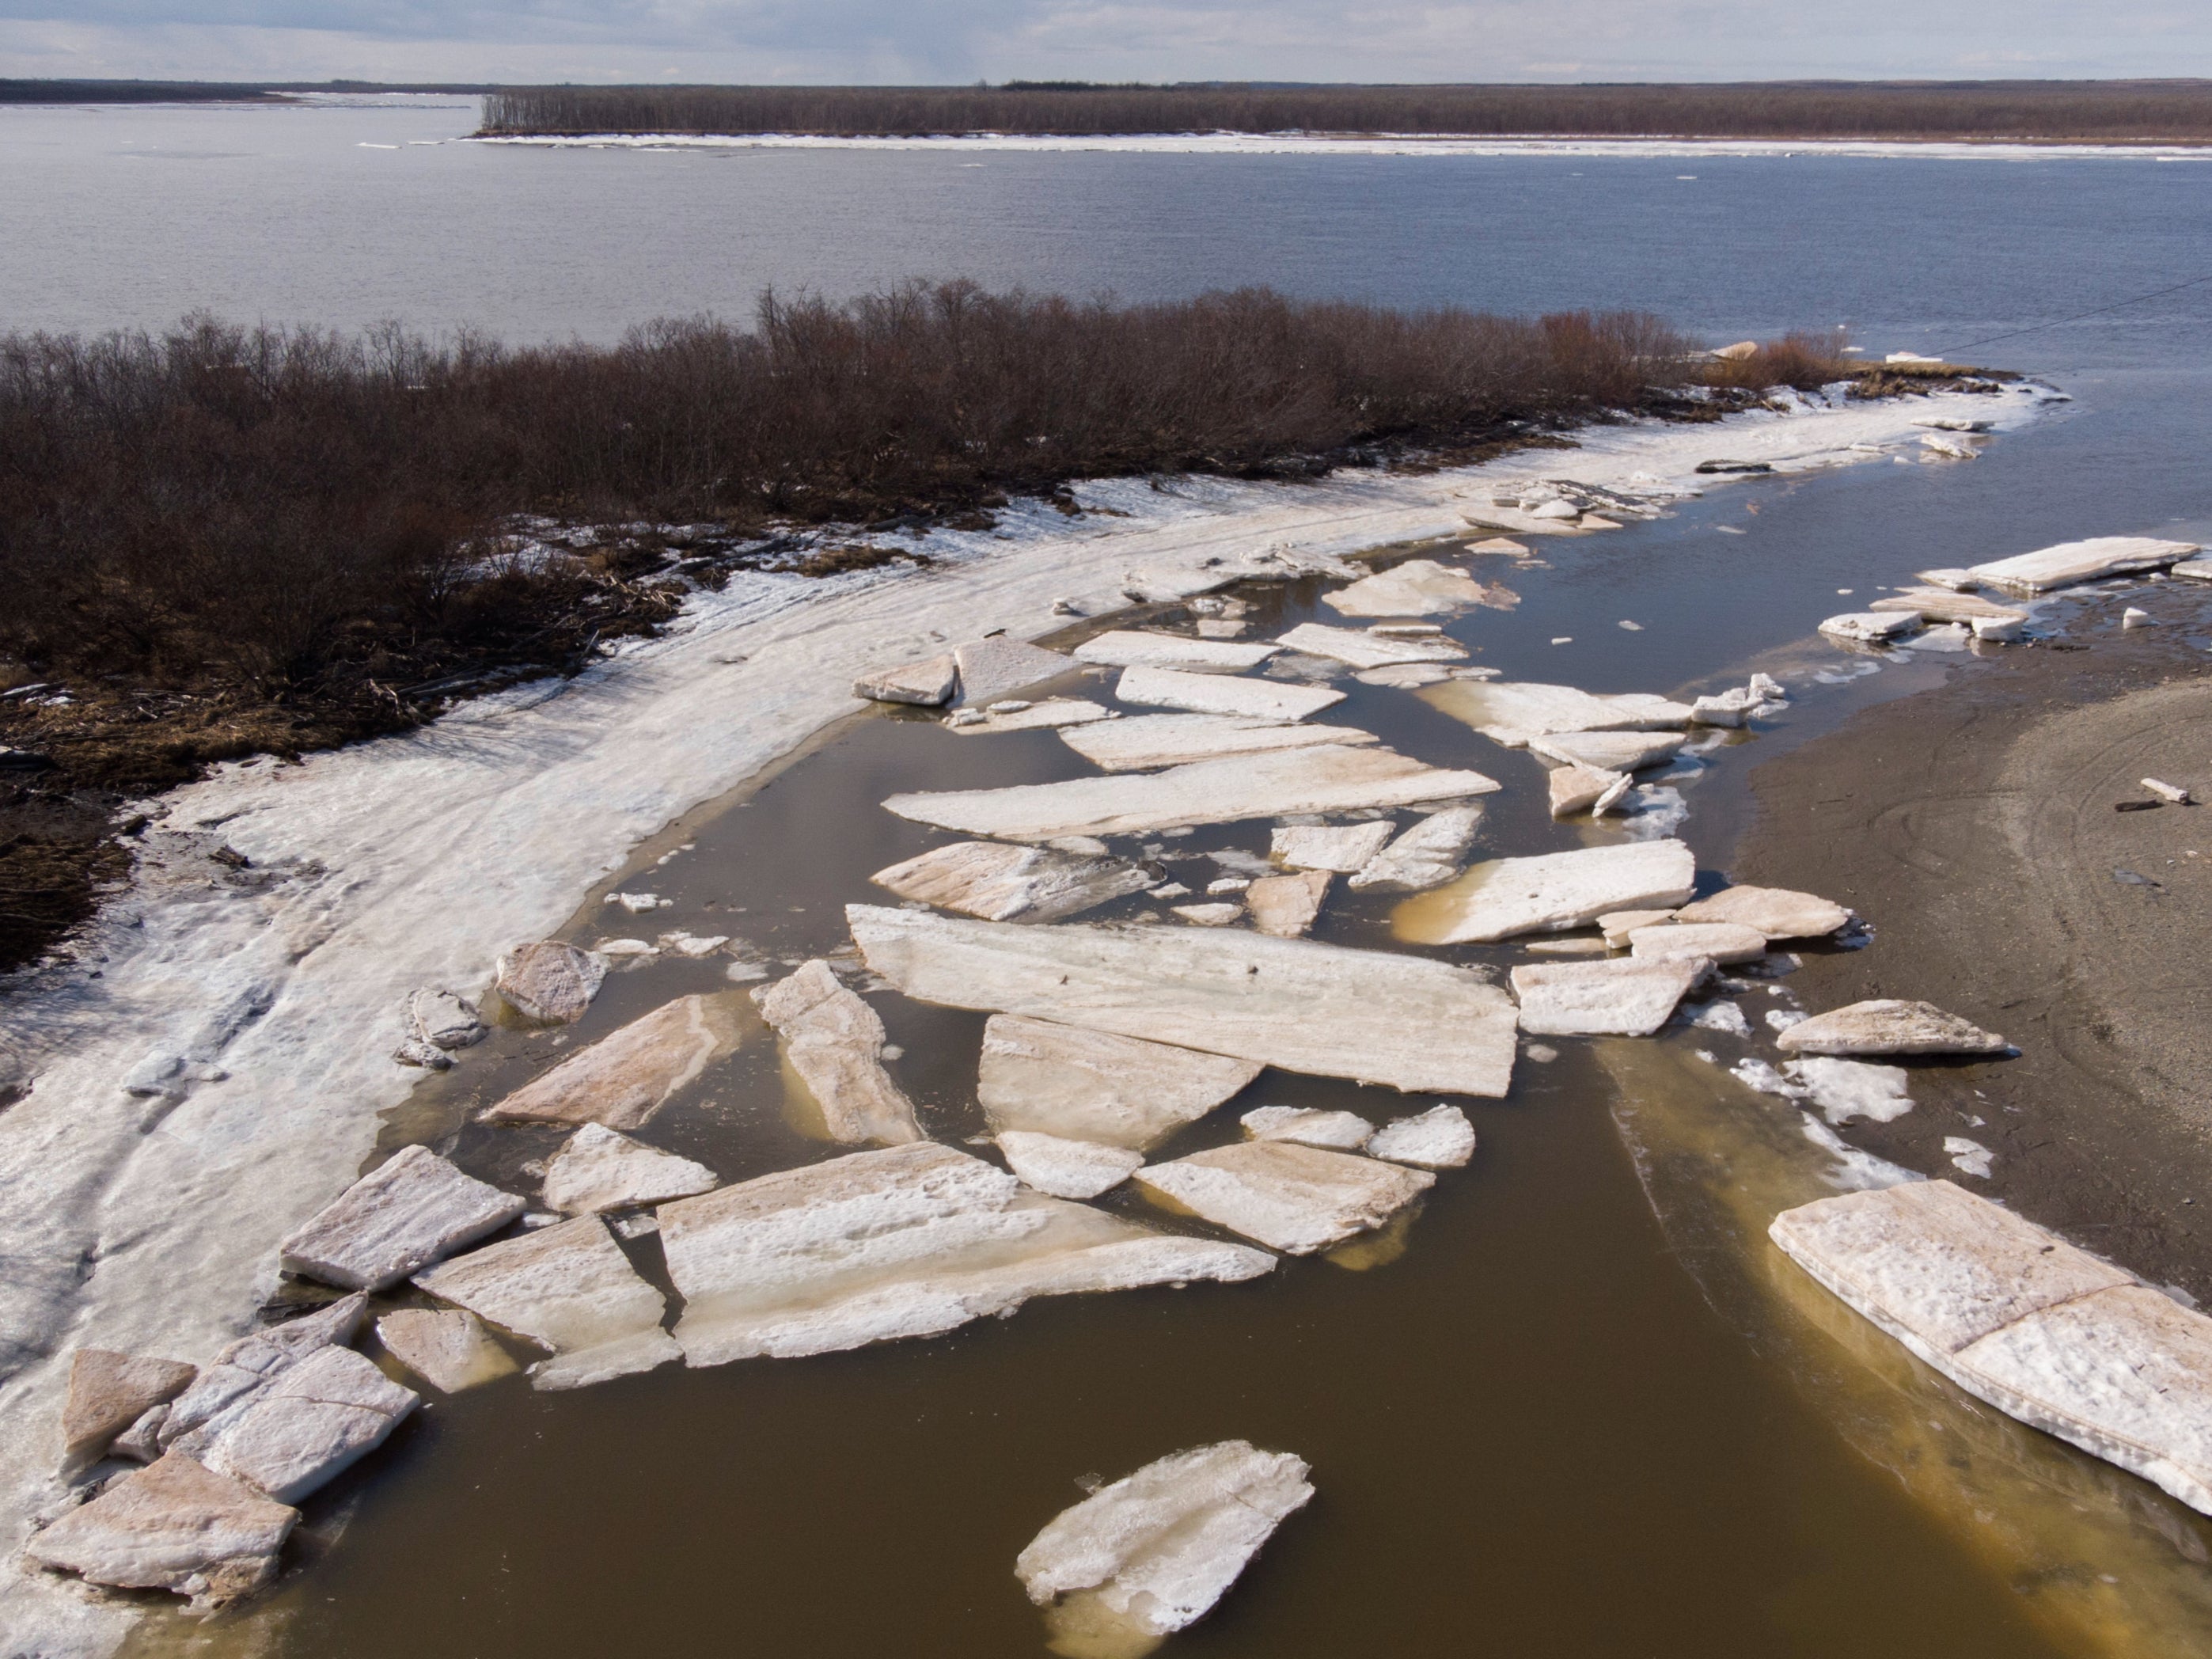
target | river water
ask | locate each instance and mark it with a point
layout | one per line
(1564, 1421)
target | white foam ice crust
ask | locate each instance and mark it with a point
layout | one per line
(415, 859)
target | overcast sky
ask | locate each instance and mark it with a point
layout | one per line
(964, 41)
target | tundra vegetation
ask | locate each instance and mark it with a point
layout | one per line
(2034, 112)
(222, 541)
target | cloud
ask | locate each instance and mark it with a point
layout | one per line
(958, 40)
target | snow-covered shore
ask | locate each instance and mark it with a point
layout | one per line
(211, 1070)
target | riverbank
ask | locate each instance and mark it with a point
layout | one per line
(1975, 827)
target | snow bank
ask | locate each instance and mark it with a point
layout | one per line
(209, 1073)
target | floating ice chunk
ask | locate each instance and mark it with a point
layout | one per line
(1066, 1169)
(1286, 906)
(1720, 1015)
(1620, 998)
(1969, 1155)
(2167, 792)
(1438, 1138)
(1943, 604)
(1153, 1552)
(1777, 912)
(833, 1042)
(2198, 568)
(1221, 694)
(1405, 1022)
(1577, 788)
(1889, 1026)
(1096, 1086)
(1609, 751)
(1000, 883)
(1549, 893)
(1580, 947)
(695, 945)
(597, 1169)
(1309, 1126)
(446, 1347)
(1053, 712)
(1512, 712)
(568, 1288)
(1342, 849)
(910, 1242)
(1871, 627)
(1848, 1088)
(1853, 1171)
(1619, 925)
(1365, 650)
(1428, 854)
(1295, 1199)
(1133, 649)
(1319, 780)
(414, 1209)
(2069, 563)
(629, 1075)
(549, 980)
(996, 668)
(176, 1526)
(1781, 1019)
(305, 1427)
(925, 683)
(1723, 943)
(1405, 677)
(635, 903)
(1754, 1073)
(1208, 915)
(1145, 741)
(1419, 588)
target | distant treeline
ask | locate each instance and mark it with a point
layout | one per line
(2111, 112)
(197, 92)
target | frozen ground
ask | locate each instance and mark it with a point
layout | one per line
(211, 1070)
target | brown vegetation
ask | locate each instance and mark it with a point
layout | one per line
(2107, 111)
(220, 542)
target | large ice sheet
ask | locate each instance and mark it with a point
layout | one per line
(1551, 892)
(1403, 1021)
(2069, 563)
(629, 1075)
(1222, 694)
(1296, 780)
(1145, 741)
(912, 1240)
(1088, 1085)
(1364, 650)
(1511, 711)
(1138, 648)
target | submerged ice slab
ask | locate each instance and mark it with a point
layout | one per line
(1512, 712)
(414, 1209)
(910, 1242)
(175, 1526)
(1152, 1552)
(1095, 1086)
(1620, 998)
(1052, 712)
(629, 1075)
(446, 1347)
(1146, 741)
(1296, 781)
(568, 1288)
(1419, 588)
(834, 1042)
(1066, 1169)
(1888, 1025)
(2018, 1317)
(2069, 563)
(1372, 1017)
(1294, 1199)
(1136, 648)
(1364, 650)
(1552, 892)
(1222, 694)
(1000, 883)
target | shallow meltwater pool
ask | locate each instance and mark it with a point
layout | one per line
(1578, 1406)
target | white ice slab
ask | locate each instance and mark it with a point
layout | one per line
(1287, 906)
(549, 980)
(910, 1242)
(1309, 1126)
(1419, 588)
(1403, 1021)
(1428, 854)
(833, 1042)
(446, 1347)
(2069, 563)
(107, 1393)
(1060, 1168)
(1848, 1088)
(1052, 712)
(176, 1526)
(1609, 751)
(1145, 741)
(597, 1170)
(1364, 650)
(1294, 1199)
(925, 683)
(1777, 912)
(307, 1426)
(1725, 943)
(1000, 883)
(1943, 604)
(1871, 627)
(1095, 1086)
(1512, 712)
(1222, 694)
(995, 668)
(1342, 848)
(412, 1209)
(1294, 781)
(625, 1077)
(1136, 648)
(1888, 1025)
(1438, 1138)
(1620, 998)
(1548, 893)
(1576, 789)
(1153, 1552)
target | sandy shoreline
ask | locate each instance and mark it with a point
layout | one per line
(1973, 825)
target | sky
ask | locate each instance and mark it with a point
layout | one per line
(957, 41)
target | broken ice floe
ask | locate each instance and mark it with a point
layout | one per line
(1968, 1157)
(1847, 1088)
(597, 1169)
(304, 1427)
(1296, 780)
(1552, 892)
(1364, 650)
(2071, 563)
(1777, 912)
(568, 1288)
(1066, 1169)
(1097, 1086)
(175, 1526)
(414, 1209)
(1223, 693)
(1294, 1199)
(629, 1075)
(1609, 751)
(1405, 1022)
(1150, 1554)
(1146, 741)
(1621, 998)
(1871, 627)
(1578, 788)
(832, 1043)
(1344, 849)
(927, 683)
(107, 1393)
(1438, 1138)
(446, 1347)
(910, 1242)
(995, 668)
(549, 980)
(1418, 587)
(1510, 712)
(1428, 854)
(1889, 1026)
(1051, 712)
(1132, 648)
(1287, 906)
(2016, 1316)
(1000, 883)
(1309, 1126)
(1208, 915)
(1724, 944)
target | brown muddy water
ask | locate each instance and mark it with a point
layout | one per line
(1586, 1411)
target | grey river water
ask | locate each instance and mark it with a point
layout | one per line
(1551, 1427)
